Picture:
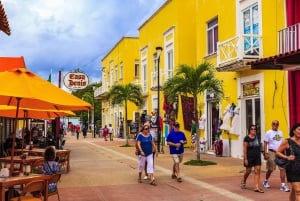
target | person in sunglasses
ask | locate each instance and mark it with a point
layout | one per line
(272, 141)
(252, 158)
(145, 149)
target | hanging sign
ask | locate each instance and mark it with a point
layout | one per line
(251, 89)
(76, 80)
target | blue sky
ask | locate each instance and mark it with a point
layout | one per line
(69, 34)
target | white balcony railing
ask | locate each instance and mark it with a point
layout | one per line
(101, 90)
(246, 46)
(289, 39)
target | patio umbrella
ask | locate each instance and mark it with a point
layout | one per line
(22, 88)
(10, 112)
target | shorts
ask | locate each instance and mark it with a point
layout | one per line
(271, 165)
(177, 158)
(255, 161)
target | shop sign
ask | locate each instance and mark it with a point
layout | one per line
(76, 80)
(251, 89)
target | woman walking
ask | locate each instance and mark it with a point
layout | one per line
(146, 147)
(292, 148)
(252, 158)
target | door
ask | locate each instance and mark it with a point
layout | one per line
(252, 108)
(213, 123)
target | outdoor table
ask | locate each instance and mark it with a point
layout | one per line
(60, 153)
(19, 180)
(19, 160)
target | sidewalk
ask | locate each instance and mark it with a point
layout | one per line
(105, 171)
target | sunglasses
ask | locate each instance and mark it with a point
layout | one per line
(275, 124)
(253, 129)
(146, 129)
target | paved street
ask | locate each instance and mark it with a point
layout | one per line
(105, 171)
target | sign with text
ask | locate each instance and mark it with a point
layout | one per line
(251, 89)
(76, 80)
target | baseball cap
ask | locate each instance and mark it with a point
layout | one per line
(176, 124)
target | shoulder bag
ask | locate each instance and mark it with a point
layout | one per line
(283, 162)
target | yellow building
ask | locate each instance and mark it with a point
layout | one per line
(119, 66)
(229, 34)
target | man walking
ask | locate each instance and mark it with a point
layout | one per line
(272, 141)
(176, 139)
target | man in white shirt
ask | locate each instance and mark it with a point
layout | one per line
(272, 141)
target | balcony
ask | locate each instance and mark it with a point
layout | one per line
(234, 54)
(163, 77)
(288, 49)
(101, 91)
(289, 39)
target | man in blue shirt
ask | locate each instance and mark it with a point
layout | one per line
(176, 139)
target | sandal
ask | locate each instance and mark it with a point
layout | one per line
(139, 180)
(173, 176)
(258, 190)
(179, 179)
(243, 185)
(153, 183)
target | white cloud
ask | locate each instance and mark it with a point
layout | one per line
(69, 34)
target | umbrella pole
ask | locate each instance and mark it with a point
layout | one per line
(14, 138)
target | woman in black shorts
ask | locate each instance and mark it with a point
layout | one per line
(252, 158)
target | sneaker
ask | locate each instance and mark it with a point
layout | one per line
(266, 184)
(284, 188)
(145, 177)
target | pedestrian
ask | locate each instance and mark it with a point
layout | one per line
(252, 158)
(110, 132)
(193, 135)
(105, 132)
(272, 141)
(176, 139)
(146, 147)
(77, 128)
(292, 148)
(84, 130)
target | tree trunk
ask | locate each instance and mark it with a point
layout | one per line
(197, 127)
(126, 132)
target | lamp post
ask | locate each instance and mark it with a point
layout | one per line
(158, 52)
(93, 119)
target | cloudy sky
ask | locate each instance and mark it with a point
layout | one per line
(70, 34)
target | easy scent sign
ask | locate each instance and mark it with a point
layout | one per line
(76, 80)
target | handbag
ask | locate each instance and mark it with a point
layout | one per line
(283, 162)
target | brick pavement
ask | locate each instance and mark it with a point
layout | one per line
(105, 171)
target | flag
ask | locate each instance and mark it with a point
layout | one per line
(49, 78)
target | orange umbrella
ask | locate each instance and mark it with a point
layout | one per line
(22, 88)
(10, 111)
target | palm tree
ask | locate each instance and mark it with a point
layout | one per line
(121, 94)
(193, 81)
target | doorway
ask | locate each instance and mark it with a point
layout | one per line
(213, 123)
(253, 115)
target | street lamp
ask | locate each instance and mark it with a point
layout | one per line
(93, 119)
(158, 52)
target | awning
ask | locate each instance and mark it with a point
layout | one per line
(287, 61)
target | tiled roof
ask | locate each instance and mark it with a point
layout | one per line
(278, 61)
(4, 26)
(7, 63)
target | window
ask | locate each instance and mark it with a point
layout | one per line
(121, 70)
(212, 36)
(136, 69)
(170, 63)
(251, 30)
(116, 73)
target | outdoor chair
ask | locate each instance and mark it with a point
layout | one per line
(54, 179)
(37, 166)
(63, 160)
(35, 187)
